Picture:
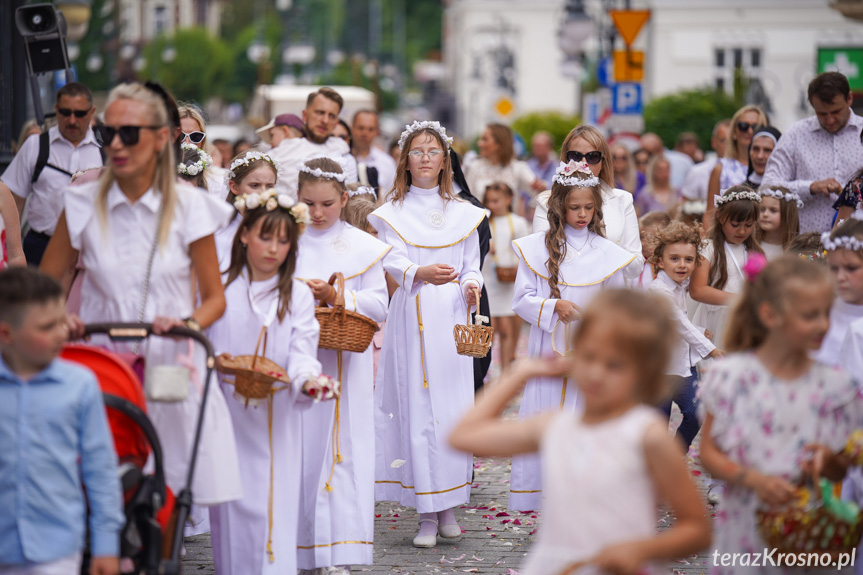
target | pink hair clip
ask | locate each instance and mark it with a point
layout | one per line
(754, 266)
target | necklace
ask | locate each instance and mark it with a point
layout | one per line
(577, 249)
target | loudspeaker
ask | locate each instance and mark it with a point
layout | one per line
(44, 30)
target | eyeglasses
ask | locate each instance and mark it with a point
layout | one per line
(432, 154)
(593, 157)
(746, 126)
(195, 137)
(129, 135)
(78, 113)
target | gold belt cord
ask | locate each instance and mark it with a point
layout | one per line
(422, 342)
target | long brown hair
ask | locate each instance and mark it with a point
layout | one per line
(595, 138)
(774, 286)
(555, 237)
(402, 183)
(277, 221)
(738, 211)
(789, 218)
(502, 136)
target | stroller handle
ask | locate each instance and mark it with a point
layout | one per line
(121, 331)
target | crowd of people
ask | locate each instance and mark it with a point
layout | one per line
(647, 277)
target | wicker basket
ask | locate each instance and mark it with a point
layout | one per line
(254, 375)
(506, 275)
(796, 529)
(473, 340)
(343, 330)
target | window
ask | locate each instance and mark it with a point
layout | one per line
(731, 60)
(160, 20)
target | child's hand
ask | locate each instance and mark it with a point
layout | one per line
(545, 367)
(769, 488)
(75, 325)
(708, 334)
(322, 291)
(436, 274)
(104, 566)
(470, 294)
(567, 311)
(621, 559)
(716, 353)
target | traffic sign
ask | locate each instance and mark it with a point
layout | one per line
(628, 66)
(504, 106)
(629, 23)
(603, 71)
(848, 61)
(626, 98)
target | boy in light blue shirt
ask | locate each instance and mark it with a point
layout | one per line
(54, 438)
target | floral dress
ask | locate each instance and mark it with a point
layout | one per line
(763, 422)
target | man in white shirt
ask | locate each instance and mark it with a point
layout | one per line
(320, 116)
(696, 181)
(817, 156)
(365, 130)
(71, 147)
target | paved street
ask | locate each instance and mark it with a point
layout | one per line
(496, 540)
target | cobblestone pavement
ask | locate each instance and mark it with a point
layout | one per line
(495, 539)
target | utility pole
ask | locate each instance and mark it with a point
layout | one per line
(13, 80)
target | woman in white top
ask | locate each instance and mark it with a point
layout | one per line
(497, 163)
(136, 209)
(11, 253)
(618, 213)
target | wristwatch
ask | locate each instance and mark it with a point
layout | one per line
(192, 323)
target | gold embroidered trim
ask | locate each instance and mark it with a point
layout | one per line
(432, 247)
(405, 277)
(527, 491)
(334, 544)
(377, 259)
(426, 492)
(422, 342)
(561, 282)
(354, 296)
(539, 320)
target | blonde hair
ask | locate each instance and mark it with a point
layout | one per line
(675, 233)
(402, 183)
(731, 150)
(595, 138)
(356, 211)
(789, 215)
(192, 111)
(165, 177)
(324, 165)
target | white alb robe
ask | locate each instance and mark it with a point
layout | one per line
(423, 386)
(240, 528)
(842, 315)
(592, 263)
(337, 527)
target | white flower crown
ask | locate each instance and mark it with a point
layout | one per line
(362, 190)
(694, 208)
(734, 196)
(426, 125)
(251, 156)
(565, 175)
(789, 197)
(319, 173)
(270, 200)
(205, 160)
(841, 243)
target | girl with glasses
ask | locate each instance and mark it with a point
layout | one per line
(733, 169)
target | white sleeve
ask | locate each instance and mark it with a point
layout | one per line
(20, 171)
(851, 352)
(396, 262)
(203, 215)
(527, 301)
(540, 214)
(371, 300)
(470, 271)
(630, 240)
(303, 357)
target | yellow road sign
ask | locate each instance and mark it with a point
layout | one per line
(629, 23)
(628, 66)
(504, 106)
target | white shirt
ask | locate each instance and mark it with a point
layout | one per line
(696, 181)
(384, 164)
(680, 165)
(46, 194)
(692, 345)
(808, 153)
(621, 224)
(292, 152)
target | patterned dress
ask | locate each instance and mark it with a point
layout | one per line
(763, 423)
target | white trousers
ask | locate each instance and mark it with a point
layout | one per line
(66, 566)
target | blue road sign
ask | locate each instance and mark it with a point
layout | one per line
(626, 98)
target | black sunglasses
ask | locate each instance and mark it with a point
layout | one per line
(194, 137)
(78, 113)
(129, 135)
(593, 157)
(746, 126)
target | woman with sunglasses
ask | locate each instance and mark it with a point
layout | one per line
(586, 143)
(139, 235)
(193, 130)
(733, 168)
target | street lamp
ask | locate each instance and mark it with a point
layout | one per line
(571, 36)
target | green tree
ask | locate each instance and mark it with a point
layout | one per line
(555, 123)
(688, 111)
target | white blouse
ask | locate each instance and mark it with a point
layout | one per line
(621, 224)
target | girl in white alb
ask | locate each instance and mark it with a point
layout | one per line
(559, 272)
(778, 220)
(336, 524)
(258, 533)
(423, 385)
(505, 227)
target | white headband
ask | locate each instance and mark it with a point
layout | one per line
(204, 161)
(841, 243)
(789, 197)
(765, 135)
(734, 196)
(436, 126)
(319, 173)
(362, 190)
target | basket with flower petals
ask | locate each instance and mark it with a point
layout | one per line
(254, 375)
(343, 330)
(473, 340)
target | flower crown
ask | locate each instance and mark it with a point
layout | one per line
(204, 161)
(565, 175)
(319, 173)
(814, 257)
(735, 196)
(841, 243)
(362, 190)
(416, 126)
(789, 197)
(251, 156)
(694, 207)
(270, 200)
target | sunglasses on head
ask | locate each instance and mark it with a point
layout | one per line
(129, 135)
(78, 113)
(746, 126)
(194, 137)
(593, 157)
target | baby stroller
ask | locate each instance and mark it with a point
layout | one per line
(149, 503)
